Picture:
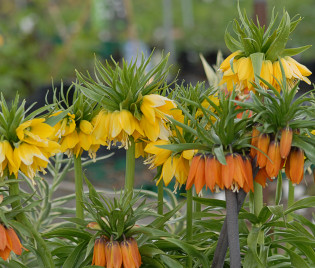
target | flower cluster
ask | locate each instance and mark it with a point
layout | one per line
(207, 170)
(9, 241)
(260, 52)
(172, 165)
(130, 105)
(25, 142)
(114, 254)
(74, 128)
(117, 126)
(75, 137)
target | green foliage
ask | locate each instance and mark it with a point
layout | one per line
(116, 87)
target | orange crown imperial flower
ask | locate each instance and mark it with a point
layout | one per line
(207, 170)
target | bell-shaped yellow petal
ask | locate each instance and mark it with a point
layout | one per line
(245, 68)
(303, 69)
(12, 164)
(155, 100)
(266, 72)
(226, 63)
(151, 129)
(147, 109)
(86, 127)
(69, 141)
(26, 153)
(127, 121)
(168, 170)
(85, 140)
(115, 126)
(286, 67)
(189, 154)
(2, 152)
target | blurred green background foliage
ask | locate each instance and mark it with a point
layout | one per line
(41, 40)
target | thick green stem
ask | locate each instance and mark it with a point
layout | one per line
(279, 188)
(78, 187)
(160, 197)
(189, 222)
(41, 246)
(258, 198)
(290, 199)
(197, 207)
(130, 166)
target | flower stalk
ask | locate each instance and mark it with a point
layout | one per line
(189, 222)
(279, 188)
(78, 187)
(290, 199)
(232, 228)
(258, 198)
(222, 245)
(44, 253)
(130, 166)
(160, 197)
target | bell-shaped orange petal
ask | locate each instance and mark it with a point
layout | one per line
(274, 163)
(209, 172)
(200, 175)
(263, 145)
(135, 251)
(296, 165)
(228, 171)
(113, 255)
(99, 257)
(261, 177)
(249, 175)
(16, 244)
(239, 170)
(192, 171)
(3, 238)
(4, 254)
(127, 257)
(286, 141)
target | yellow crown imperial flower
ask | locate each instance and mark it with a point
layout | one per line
(131, 107)
(25, 145)
(258, 52)
(172, 165)
(76, 129)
